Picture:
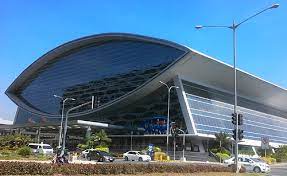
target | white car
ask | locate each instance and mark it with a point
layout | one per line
(136, 156)
(251, 164)
(41, 148)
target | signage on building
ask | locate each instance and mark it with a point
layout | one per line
(265, 142)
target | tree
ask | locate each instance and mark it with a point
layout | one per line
(14, 141)
(95, 140)
(222, 141)
(98, 139)
(281, 153)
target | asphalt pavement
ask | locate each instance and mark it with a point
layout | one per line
(278, 170)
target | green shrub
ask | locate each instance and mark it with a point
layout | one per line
(224, 151)
(24, 151)
(281, 154)
(83, 146)
(223, 156)
(269, 160)
(14, 141)
(102, 148)
(32, 168)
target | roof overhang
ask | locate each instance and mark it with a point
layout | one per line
(192, 66)
(207, 71)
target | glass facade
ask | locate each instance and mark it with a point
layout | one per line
(106, 70)
(142, 112)
(212, 109)
(25, 117)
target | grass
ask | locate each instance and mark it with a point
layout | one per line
(12, 155)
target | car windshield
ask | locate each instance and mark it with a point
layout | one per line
(141, 153)
(257, 160)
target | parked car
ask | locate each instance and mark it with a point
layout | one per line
(136, 156)
(85, 152)
(41, 148)
(99, 156)
(251, 164)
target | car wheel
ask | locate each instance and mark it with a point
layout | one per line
(126, 158)
(257, 169)
(101, 160)
(140, 159)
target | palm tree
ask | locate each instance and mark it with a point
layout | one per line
(99, 139)
(222, 140)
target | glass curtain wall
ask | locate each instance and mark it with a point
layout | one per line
(107, 70)
(212, 109)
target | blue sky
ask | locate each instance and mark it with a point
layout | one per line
(28, 29)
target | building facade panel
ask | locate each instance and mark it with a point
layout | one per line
(212, 116)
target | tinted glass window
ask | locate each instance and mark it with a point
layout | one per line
(47, 147)
(33, 146)
(107, 71)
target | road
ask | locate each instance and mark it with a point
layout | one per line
(278, 170)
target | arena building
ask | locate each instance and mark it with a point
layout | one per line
(123, 73)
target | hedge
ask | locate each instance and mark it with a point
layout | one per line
(33, 168)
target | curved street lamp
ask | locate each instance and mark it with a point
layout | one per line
(168, 102)
(63, 107)
(233, 27)
(66, 123)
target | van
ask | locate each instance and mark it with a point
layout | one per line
(41, 148)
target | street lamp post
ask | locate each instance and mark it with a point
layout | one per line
(131, 140)
(62, 118)
(183, 144)
(168, 102)
(233, 27)
(66, 123)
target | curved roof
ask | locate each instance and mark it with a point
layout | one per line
(73, 45)
(192, 66)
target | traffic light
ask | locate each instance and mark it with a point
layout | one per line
(234, 134)
(240, 134)
(240, 119)
(234, 118)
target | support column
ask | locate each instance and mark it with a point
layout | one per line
(38, 132)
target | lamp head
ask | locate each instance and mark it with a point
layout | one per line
(198, 27)
(57, 96)
(274, 6)
(72, 99)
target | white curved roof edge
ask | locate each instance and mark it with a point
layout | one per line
(245, 72)
(5, 122)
